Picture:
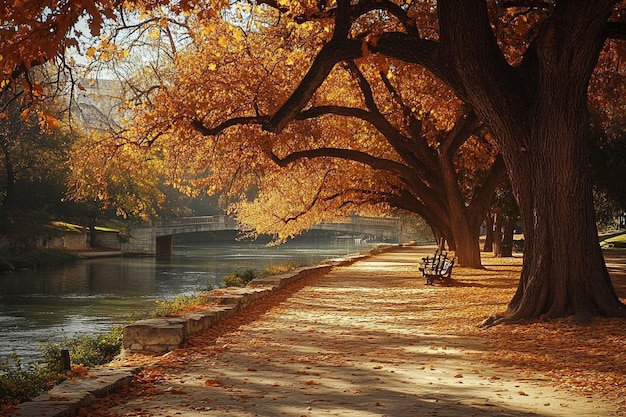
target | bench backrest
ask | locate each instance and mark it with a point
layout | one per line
(447, 267)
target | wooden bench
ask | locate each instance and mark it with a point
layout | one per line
(437, 268)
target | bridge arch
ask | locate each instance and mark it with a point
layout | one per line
(156, 237)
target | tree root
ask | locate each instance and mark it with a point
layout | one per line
(583, 318)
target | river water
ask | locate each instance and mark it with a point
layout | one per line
(92, 296)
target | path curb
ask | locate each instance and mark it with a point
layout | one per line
(65, 399)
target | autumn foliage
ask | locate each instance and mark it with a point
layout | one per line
(525, 70)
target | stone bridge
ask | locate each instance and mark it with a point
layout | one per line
(156, 237)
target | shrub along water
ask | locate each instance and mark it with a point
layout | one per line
(12, 259)
(20, 382)
(236, 279)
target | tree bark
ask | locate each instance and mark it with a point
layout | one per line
(506, 247)
(542, 132)
(489, 222)
(497, 234)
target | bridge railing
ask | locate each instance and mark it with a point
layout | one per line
(382, 224)
(178, 221)
(375, 221)
(182, 221)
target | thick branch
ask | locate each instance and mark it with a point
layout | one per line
(422, 153)
(423, 166)
(243, 120)
(348, 154)
(474, 62)
(333, 52)
(411, 49)
(408, 176)
(480, 202)
(464, 127)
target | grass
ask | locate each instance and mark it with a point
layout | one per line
(617, 241)
(178, 305)
(20, 382)
(75, 228)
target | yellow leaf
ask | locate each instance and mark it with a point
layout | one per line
(91, 52)
(212, 67)
(155, 34)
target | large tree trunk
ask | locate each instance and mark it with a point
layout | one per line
(564, 271)
(467, 248)
(540, 123)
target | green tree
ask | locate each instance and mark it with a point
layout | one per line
(33, 165)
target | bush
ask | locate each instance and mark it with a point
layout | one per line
(28, 257)
(20, 382)
(235, 279)
(86, 350)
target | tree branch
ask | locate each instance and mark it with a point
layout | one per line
(423, 164)
(347, 154)
(464, 127)
(480, 202)
(336, 50)
(243, 120)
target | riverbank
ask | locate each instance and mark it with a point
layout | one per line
(371, 339)
(33, 258)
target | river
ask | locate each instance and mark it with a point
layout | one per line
(91, 296)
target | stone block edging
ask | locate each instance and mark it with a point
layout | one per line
(160, 335)
(163, 334)
(65, 399)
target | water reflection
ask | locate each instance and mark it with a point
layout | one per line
(91, 296)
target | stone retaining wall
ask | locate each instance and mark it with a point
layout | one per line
(70, 241)
(107, 239)
(160, 335)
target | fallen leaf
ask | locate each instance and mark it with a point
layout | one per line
(212, 383)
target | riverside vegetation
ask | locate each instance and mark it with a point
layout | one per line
(20, 381)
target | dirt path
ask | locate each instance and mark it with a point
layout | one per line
(359, 341)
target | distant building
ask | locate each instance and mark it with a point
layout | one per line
(99, 104)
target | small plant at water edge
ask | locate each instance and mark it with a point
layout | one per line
(177, 305)
(279, 269)
(20, 382)
(86, 350)
(235, 279)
